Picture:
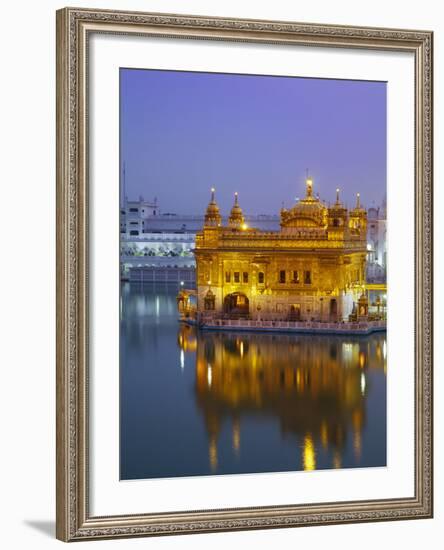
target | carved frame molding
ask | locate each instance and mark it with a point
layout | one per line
(73, 28)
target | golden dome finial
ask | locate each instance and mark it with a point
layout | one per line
(309, 187)
(358, 200)
(213, 190)
(337, 196)
(235, 198)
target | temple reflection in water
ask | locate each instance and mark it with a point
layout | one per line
(315, 386)
(197, 402)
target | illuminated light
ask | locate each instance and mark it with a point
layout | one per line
(357, 419)
(362, 360)
(236, 436)
(378, 352)
(157, 307)
(309, 184)
(369, 246)
(212, 452)
(182, 359)
(244, 226)
(324, 434)
(363, 383)
(209, 282)
(347, 350)
(357, 445)
(181, 283)
(209, 376)
(309, 456)
(213, 189)
(241, 349)
(337, 462)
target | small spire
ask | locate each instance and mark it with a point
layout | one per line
(358, 200)
(337, 196)
(236, 218)
(212, 215)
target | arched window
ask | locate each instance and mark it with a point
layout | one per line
(261, 277)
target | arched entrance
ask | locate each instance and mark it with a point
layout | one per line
(295, 312)
(333, 309)
(236, 304)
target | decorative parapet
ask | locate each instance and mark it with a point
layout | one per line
(267, 241)
(293, 326)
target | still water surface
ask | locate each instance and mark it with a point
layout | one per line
(204, 403)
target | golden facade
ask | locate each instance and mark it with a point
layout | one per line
(312, 269)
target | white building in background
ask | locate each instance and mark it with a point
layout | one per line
(135, 214)
(141, 218)
(377, 243)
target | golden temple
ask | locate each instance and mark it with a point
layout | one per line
(311, 269)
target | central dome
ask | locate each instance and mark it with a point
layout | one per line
(308, 212)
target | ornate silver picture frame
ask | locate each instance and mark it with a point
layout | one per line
(75, 27)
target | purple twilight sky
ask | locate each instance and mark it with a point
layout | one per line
(182, 133)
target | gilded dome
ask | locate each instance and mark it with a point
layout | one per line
(308, 212)
(212, 215)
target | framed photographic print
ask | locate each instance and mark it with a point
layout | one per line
(244, 274)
